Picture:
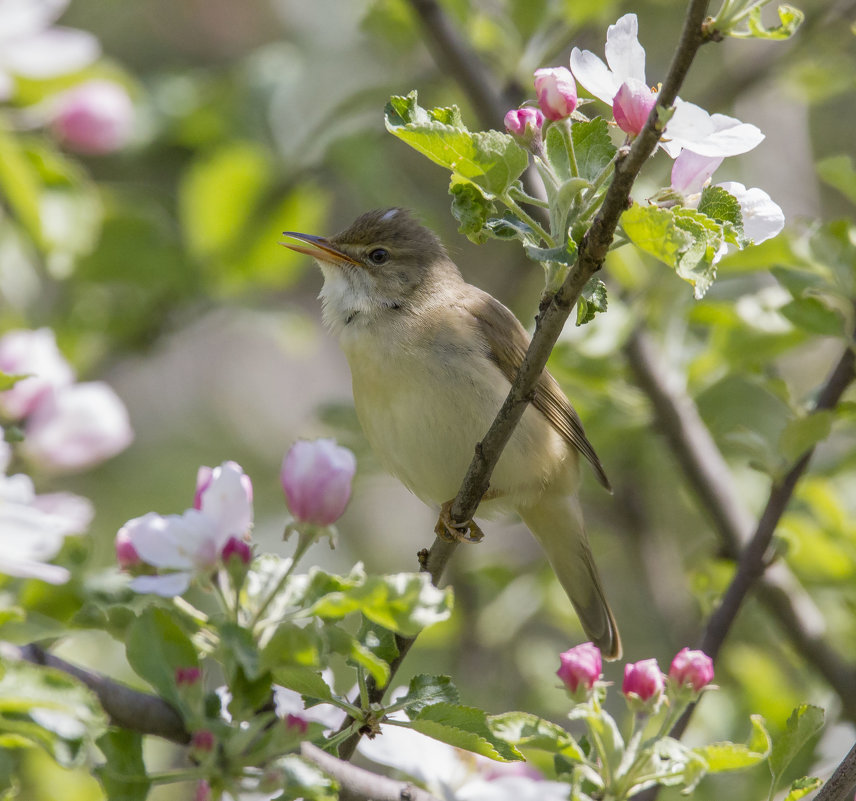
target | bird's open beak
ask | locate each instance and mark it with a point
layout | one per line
(318, 247)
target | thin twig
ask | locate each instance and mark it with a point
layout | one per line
(842, 783)
(128, 709)
(358, 784)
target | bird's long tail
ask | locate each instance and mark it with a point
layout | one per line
(556, 521)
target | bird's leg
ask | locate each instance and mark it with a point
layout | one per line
(447, 529)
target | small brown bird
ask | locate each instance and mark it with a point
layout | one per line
(431, 359)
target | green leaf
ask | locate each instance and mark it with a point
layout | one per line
(425, 690)
(290, 645)
(237, 647)
(20, 184)
(803, 433)
(736, 756)
(8, 381)
(123, 775)
(155, 647)
(379, 640)
(564, 254)
(592, 301)
(471, 209)
(802, 787)
(593, 147)
(510, 227)
(303, 780)
(803, 724)
(349, 646)
(489, 159)
(811, 314)
(219, 194)
(464, 727)
(790, 18)
(839, 173)
(722, 206)
(403, 602)
(48, 708)
(305, 681)
(529, 731)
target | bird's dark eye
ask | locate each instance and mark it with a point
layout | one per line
(379, 256)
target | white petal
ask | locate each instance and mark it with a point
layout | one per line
(24, 17)
(691, 127)
(76, 512)
(762, 217)
(168, 585)
(691, 172)
(226, 500)
(594, 75)
(53, 52)
(7, 86)
(52, 574)
(624, 54)
(166, 541)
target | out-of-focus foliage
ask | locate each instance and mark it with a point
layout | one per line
(158, 267)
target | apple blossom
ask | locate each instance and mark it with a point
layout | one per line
(690, 126)
(556, 91)
(525, 124)
(36, 355)
(237, 549)
(126, 554)
(76, 427)
(644, 680)
(632, 106)
(33, 528)
(31, 48)
(181, 547)
(692, 669)
(316, 478)
(95, 117)
(580, 668)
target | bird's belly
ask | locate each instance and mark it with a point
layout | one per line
(423, 416)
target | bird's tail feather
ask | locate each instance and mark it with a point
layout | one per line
(556, 522)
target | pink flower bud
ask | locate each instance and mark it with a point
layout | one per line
(96, 117)
(202, 741)
(299, 724)
(316, 477)
(524, 123)
(203, 791)
(580, 668)
(187, 676)
(691, 669)
(643, 679)
(126, 554)
(237, 549)
(556, 91)
(631, 106)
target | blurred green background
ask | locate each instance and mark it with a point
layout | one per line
(161, 273)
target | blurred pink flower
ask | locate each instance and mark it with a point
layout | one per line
(126, 554)
(33, 353)
(76, 427)
(187, 675)
(29, 47)
(95, 117)
(691, 669)
(580, 668)
(556, 91)
(316, 477)
(181, 547)
(33, 528)
(643, 679)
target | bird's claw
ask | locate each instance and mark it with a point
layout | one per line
(450, 531)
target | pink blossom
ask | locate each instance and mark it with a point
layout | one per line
(691, 172)
(691, 669)
(580, 668)
(126, 554)
(32, 353)
(316, 477)
(643, 679)
(76, 427)
(203, 791)
(556, 91)
(632, 106)
(95, 117)
(187, 675)
(203, 741)
(524, 123)
(296, 722)
(237, 549)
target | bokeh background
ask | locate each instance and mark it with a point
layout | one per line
(162, 275)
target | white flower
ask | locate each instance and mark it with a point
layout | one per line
(181, 547)
(31, 48)
(33, 528)
(690, 127)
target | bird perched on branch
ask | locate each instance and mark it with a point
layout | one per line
(432, 358)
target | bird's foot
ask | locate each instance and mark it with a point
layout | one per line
(450, 531)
